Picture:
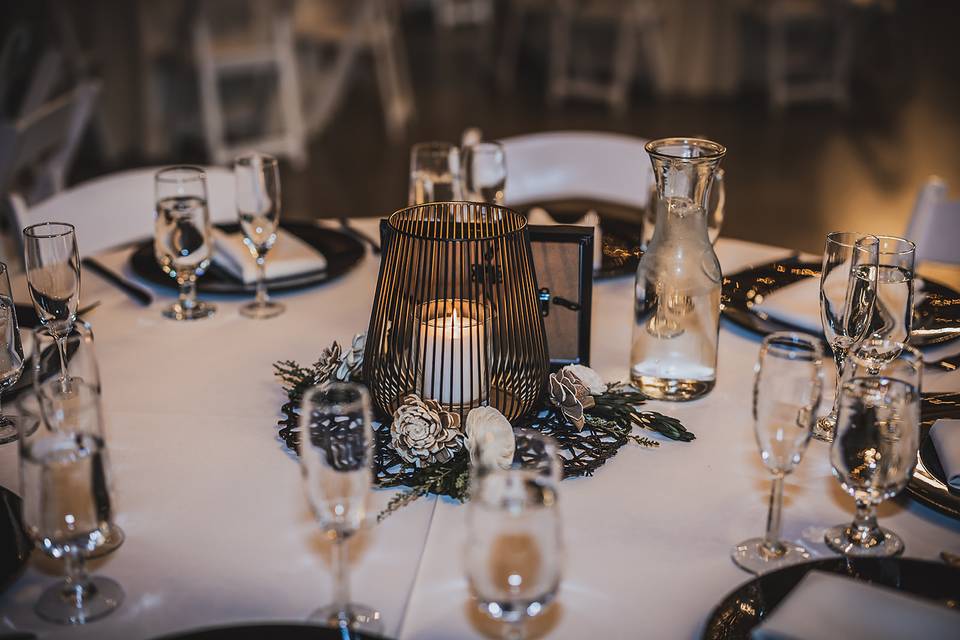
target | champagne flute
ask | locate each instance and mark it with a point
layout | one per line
(336, 457)
(484, 172)
(53, 277)
(182, 236)
(873, 457)
(11, 353)
(66, 506)
(514, 546)
(786, 393)
(257, 179)
(83, 376)
(434, 173)
(848, 287)
(893, 312)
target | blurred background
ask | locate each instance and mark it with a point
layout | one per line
(834, 112)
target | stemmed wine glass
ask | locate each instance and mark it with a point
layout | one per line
(848, 287)
(514, 546)
(786, 393)
(336, 457)
(53, 277)
(257, 179)
(873, 456)
(182, 236)
(484, 172)
(66, 506)
(11, 353)
(434, 173)
(83, 378)
(893, 312)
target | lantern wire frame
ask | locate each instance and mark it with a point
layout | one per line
(456, 316)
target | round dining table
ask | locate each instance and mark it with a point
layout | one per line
(218, 529)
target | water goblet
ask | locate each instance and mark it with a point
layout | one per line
(786, 393)
(11, 354)
(893, 312)
(873, 456)
(514, 546)
(848, 286)
(53, 277)
(336, 457)
(257, 177)
(484, 172)
(434, 173)
(899, 362)
(182, 238)
(66, 507)
(83, 378)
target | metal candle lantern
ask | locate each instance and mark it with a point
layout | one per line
(456, 317)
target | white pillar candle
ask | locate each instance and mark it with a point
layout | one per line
(452, 353)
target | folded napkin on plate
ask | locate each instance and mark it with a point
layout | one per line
(946, 440)
(826, 606)
(289, 256)
(539, 215)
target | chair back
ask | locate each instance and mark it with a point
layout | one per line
(607, 167)
(119, 208)
(935, 224)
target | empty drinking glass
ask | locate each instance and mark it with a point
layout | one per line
(893, 312)
(67, 506)
(182, 236)
(336, 456)
(53, 277)
(258, 206)
(873, 456)
(514, 546)
(484, 172)
(434, 173)
(786, 393)
(11, 353)
(848, 286)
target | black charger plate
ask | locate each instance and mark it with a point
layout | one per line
(15, 546)
(341, 250)
(938, 311)
(281, 631)
(929, 482)
(745, 607)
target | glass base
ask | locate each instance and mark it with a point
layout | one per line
(672, 389)
(113, 538)
(268, 309)
(176, 311)
(358, 618)
(752, 556)
(825, 428)
(10, 427)
(869, 543)
(59, 603)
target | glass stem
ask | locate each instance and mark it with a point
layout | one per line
(341, 584)
(840, 357)
(771, 539)
(61, 342)
(865, 519)
(76, 586)
(261, 299)
(188, 292)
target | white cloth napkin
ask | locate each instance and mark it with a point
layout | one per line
(946, 440)
(289, 256)
(826, 606)
(539, 215)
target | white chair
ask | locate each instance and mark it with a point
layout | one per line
(608, 167)
(935, 224)
(118, 208)
(251, 40)
(44, 141)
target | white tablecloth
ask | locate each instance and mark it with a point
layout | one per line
(218, 529)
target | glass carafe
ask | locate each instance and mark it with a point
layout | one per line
(677, 293)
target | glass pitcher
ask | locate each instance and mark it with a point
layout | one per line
(677, 294)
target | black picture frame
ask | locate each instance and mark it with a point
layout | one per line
(563, 264)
